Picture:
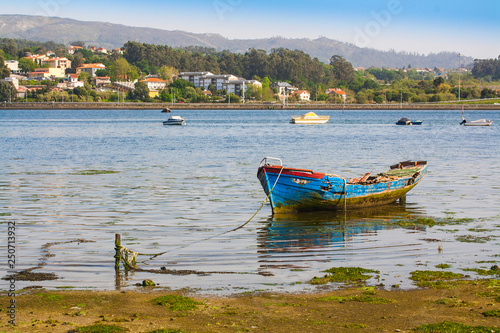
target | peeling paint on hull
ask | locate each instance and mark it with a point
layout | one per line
(299, 190)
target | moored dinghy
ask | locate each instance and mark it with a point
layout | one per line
(479, 122)
(295, 190)
(310, 118)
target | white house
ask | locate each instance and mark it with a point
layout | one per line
(71, 82)
(226, 82)
(71, 49)
(236, 86)
(304, 95)
(283, 87)
(90, 68)
(155, 83)
(57, 62)
(13, 65)
(193, 77)
(217, 81)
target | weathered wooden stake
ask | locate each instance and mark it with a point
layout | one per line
(118, 248)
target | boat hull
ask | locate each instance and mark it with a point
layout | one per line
(174, 123)
(300, 190)
(310, 118)
(484, 123)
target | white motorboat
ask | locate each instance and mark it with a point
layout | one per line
(479, 122)
(175, 120)
(310, 118)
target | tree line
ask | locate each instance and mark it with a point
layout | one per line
(373, 85)
(487, 68)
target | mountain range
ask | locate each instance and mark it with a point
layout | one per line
(109, 35)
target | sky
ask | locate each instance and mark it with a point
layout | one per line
(471, 28)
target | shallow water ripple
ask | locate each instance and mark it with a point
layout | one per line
(180, 191)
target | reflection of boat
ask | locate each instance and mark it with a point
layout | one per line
(175, 120)
(407, 121)
(310, 118)
(309, 231)
(295, 190)
(479, 122)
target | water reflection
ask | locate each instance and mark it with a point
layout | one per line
(317, 235)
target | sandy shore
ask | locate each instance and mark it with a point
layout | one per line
(470, 304)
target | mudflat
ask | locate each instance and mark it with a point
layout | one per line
(460, 306)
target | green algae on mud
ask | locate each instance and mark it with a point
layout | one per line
(344, 274)
(430, 222)
(177, 302)
(362, 299)
(435, 279)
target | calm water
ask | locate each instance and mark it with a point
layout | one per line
(179, 190)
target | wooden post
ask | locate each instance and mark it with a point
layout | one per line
(118, 248)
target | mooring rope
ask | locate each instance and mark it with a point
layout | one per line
(345, 200)
(152, 256)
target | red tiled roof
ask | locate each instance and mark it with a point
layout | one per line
(92, 66)
(153, 79)
(335, 90)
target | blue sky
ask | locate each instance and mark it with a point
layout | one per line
(423, 26)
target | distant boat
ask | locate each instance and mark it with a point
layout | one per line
(479, 122)
(310, 118)
(166, 110)
(407, 121)
(175, 120)
(293, 190)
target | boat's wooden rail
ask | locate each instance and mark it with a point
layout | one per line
(408, 164)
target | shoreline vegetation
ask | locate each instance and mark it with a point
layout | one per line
(238, 106)
(452, 306)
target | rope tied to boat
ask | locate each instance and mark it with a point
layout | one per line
(132, 262)
(345, 199)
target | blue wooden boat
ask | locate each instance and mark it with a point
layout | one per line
(297, 190)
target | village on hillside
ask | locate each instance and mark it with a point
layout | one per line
(70, 77)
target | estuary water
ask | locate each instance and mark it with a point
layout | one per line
(71, 180)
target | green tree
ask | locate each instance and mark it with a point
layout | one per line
(78, 43)
(266, 82)
(165, 96)
(85, 77)
(361, 98)
(342, 70)
(7, 92)
(76, 61)
(4, 70)
(102, 72)
(27, 66)
(379, 99)
(234, 98)
(141, 91)
(122, 70)
(167, 73)
(438, 81)
(10, 48)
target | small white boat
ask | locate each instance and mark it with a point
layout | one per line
(479, 122)
(175, 120)
(310, 118)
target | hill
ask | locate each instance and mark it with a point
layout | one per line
(108, 35)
